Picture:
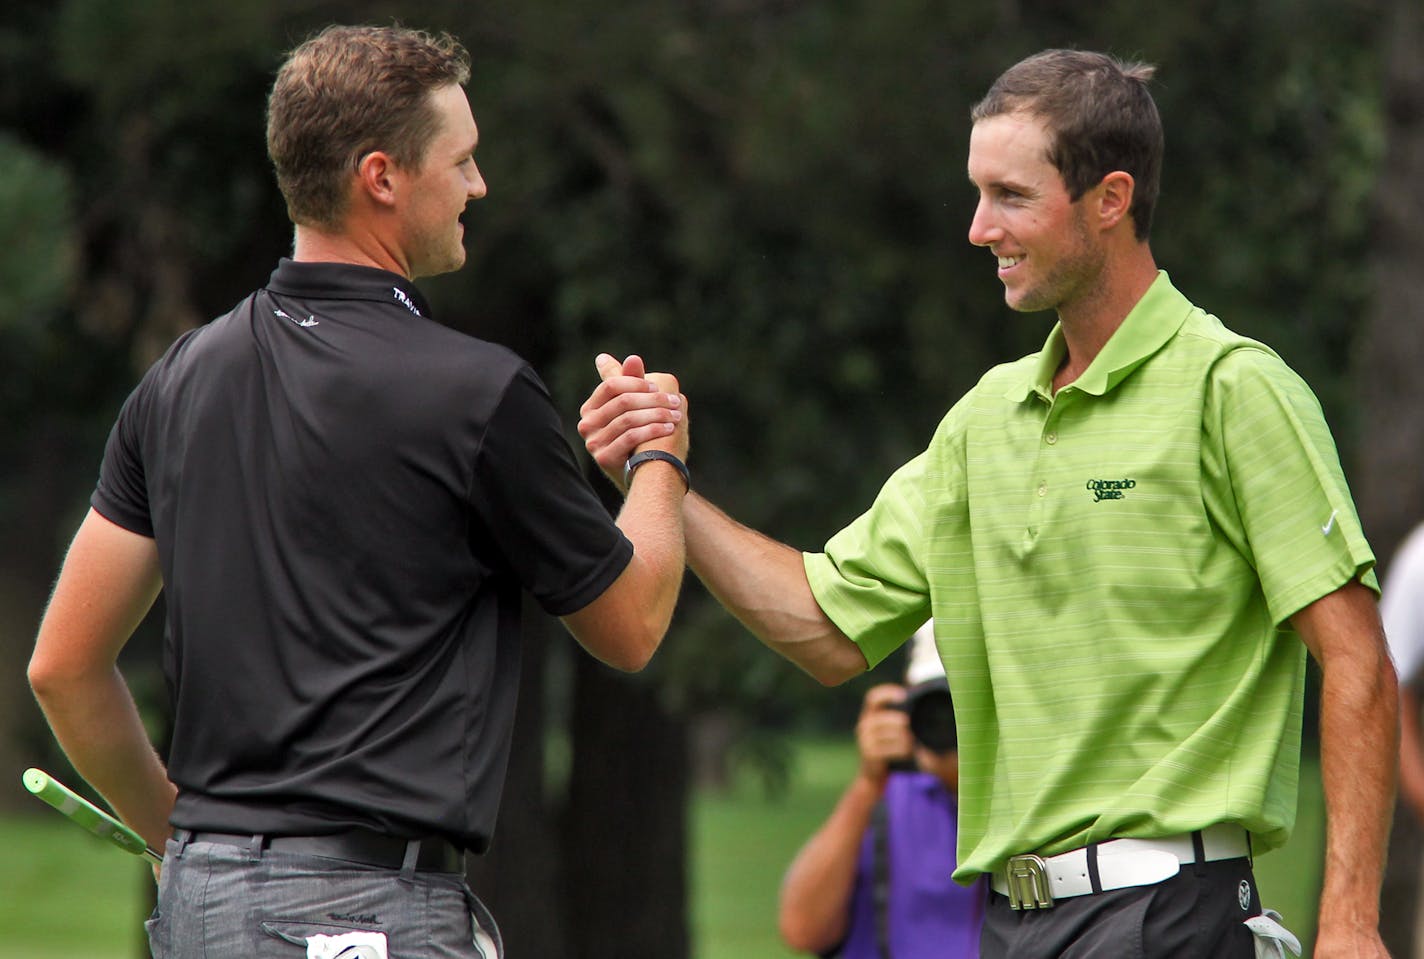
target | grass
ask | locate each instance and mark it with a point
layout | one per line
(66, 894)
(742, 842)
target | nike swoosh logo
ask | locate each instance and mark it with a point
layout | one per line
(1330, 523)
(309, 321)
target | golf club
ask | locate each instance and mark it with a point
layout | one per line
(84, 813)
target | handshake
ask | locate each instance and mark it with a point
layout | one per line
(633, 412)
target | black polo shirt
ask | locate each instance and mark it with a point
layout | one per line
(348, 499)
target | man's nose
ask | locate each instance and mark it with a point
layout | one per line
(982, 229)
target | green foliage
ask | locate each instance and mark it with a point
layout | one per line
(37, 232)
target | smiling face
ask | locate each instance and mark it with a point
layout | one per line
(438, 190)
(1049, 258)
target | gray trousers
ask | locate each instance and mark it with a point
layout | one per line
(217, 901)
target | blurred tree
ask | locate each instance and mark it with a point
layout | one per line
(1390, 349)
(1390, 391)
(36, 225)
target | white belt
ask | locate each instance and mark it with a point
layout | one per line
(1034, 882)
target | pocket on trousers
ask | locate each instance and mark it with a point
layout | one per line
(155, 927)
(157, 944)
(298, 931)
(484, 930)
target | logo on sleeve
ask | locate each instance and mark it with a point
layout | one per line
(1110, 488)
(1330, 523)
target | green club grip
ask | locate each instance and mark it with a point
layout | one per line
(84, 813)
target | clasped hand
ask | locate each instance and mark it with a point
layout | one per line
(629, 411)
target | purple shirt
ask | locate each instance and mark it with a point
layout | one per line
(931, 916)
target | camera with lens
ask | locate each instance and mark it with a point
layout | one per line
(931, 712)
(932, 715)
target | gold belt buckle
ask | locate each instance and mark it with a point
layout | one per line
(1028, 883)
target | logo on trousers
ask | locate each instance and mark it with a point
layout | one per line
(1243, 895)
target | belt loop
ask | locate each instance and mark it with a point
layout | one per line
(254, 847)
(412, 858)
(1093, 878)
(181, 838)
(1199, 851)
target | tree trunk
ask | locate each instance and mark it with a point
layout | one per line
(1390, 475)
(518, 877)
(625, 832)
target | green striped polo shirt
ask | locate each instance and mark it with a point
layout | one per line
(1111, 571)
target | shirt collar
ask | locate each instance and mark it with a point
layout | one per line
(1153, 321)
(346, 281)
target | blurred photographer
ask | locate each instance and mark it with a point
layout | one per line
(874, 881)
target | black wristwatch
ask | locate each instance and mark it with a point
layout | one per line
(638, 459)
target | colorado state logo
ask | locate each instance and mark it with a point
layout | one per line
(1109, 489)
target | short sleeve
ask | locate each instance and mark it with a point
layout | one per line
(1274, 485)
(870, 580)
(534, 502)
(121, 495)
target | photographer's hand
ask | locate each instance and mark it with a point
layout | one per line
(883, 732)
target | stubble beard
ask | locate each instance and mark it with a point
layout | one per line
(436, 255)
(1070, 280)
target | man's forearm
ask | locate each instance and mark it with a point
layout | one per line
(109, 581)
(763, 584)
(651, 520)
(1359, 729)
(97, 724)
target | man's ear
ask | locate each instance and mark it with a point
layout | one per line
(1116, 191)
(375, 177)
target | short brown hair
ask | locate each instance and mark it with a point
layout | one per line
(348, 91)
(1099, 115)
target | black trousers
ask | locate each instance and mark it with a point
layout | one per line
(1197, 914)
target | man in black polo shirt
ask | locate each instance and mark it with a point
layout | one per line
(342, 501)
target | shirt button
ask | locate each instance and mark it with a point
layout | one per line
(1051, 438)
(1042, 489)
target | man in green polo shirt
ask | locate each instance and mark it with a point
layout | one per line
(1127, 542)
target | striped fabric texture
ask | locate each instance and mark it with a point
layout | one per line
(1111, 571)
